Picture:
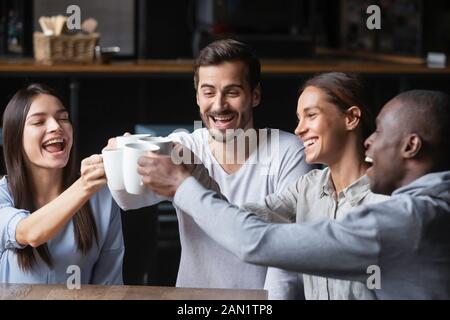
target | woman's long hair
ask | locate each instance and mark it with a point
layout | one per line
(19, 179)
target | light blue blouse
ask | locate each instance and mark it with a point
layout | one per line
(101, 265)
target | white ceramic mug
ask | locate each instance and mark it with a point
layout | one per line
(112, 161)
(131, 154)
(165, 144)
(121, 141)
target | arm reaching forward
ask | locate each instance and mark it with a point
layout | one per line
(340, 249)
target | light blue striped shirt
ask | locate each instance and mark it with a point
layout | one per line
(101, 265)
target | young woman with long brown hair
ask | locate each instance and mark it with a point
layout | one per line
(50, 218)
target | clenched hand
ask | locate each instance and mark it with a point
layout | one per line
(93, 176)
(160, 174)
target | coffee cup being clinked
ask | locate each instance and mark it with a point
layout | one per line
(120, 161)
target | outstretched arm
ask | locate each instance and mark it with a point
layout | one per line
(338, 249)
(46, 222)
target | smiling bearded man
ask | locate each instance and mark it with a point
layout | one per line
(227, 83)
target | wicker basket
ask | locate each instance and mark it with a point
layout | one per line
(78, 48)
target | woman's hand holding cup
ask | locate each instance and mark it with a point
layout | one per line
(93, 176)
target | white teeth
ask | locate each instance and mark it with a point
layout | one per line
(57, 140)
(368, 159)
(310, 142)
(223, 118)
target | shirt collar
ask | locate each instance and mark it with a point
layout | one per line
(326, 185)
(354, 193)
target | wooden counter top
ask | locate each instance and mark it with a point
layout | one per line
(96, 292)
(186, 67)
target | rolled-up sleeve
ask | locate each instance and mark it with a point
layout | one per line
(9, 218)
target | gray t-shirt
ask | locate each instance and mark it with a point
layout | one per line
(278, 162)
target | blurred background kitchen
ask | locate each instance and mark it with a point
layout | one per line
(133, 72)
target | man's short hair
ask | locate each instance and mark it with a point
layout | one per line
(428, 115)
(229, 50)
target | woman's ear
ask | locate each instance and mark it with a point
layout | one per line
(353, 115)
(256, 96)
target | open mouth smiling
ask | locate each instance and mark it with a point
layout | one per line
(223, 121)
(54, 145)
(309, 142)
